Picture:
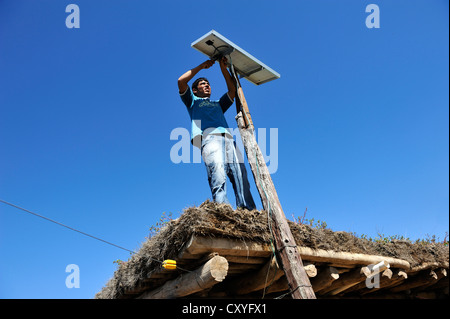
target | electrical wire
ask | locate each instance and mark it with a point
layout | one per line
(68, 227)
(81, 232)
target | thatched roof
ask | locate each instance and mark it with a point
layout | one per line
(143, 271)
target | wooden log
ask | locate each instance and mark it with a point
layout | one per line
(442, 284)
(211, 273)
(278, 286)
(310, 269)
(237, 269)
(245, 260)
(427, 265)
(198, 246)
(289, 258)
(424, 278)
(385, 277)
(258, 280)
(328, 256)
(439, 274)
(325, 278)
(282, 283)
(354, 277)
(397, 278)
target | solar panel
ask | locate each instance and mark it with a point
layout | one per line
(215, 45)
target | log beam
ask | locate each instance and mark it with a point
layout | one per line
(258, 280)
(424, 278)
(325, 278)
(345, 258)
(205, 277)
(199, 245)
(354, 277)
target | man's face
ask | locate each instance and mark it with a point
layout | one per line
(203, 89)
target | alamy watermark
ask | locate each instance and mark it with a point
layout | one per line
(373, 19)
(184, 152)
(73, 19)
(73, 279)
(373, 279)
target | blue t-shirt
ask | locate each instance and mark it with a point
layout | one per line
(206, 116)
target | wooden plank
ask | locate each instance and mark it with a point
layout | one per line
(208, 275)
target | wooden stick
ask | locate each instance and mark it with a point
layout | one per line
(211, 273)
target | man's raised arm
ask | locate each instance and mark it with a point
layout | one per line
(186, 77)
(230, 83)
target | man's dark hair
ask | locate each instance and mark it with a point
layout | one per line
(196, 82)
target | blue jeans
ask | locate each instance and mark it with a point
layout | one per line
(222, 159)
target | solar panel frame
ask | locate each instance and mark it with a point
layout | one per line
(246, 65)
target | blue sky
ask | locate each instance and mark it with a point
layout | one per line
(86, 116)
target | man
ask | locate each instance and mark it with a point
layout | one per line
(209, 132)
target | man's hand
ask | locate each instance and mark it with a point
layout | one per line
(230, 82)
(223, 63)
(207, 64)
(186, 77)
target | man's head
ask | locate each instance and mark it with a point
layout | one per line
(201, 87)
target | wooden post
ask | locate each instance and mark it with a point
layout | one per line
(286, 247)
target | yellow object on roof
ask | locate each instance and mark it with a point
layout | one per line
(169, 264)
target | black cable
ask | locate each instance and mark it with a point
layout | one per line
(83, 233)
(68, 227)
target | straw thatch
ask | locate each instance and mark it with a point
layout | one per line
(221, 221)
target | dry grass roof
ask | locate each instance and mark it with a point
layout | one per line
(222, 221)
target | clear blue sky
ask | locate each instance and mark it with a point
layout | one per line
(86, 115)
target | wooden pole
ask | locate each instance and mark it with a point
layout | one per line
(286, 247)
(211, 273)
